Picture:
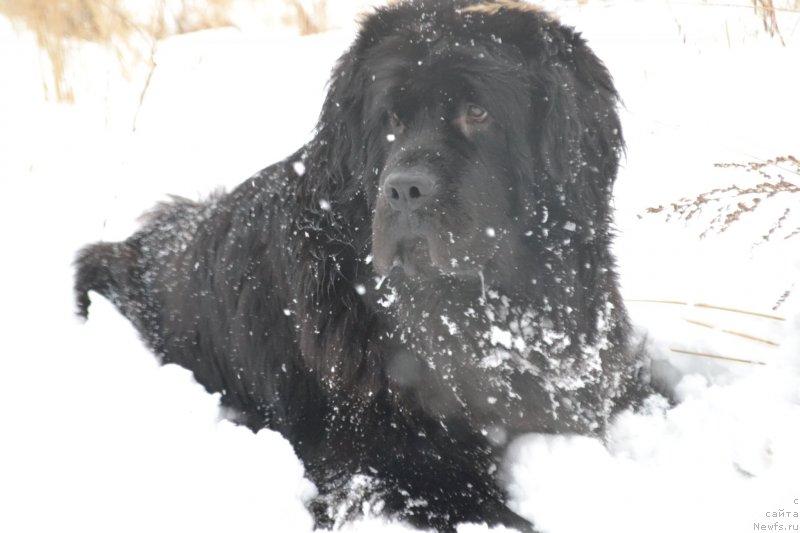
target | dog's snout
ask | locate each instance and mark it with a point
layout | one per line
(408, 191)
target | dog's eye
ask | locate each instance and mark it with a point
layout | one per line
(476, 113)
(395, 122)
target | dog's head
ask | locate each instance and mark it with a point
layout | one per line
(472, 127)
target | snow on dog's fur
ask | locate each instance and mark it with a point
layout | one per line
(429, 277)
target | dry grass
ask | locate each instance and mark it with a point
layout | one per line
(58, 23)
(734, 332)
(712, 307)
(494, 7)
(769, 15)
(730, 204)
(716, 356)
(309, 20)
(192, 15)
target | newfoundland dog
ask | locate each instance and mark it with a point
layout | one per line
(430, 276)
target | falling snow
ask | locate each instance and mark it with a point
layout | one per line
(96, 430)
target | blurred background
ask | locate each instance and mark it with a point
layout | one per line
(131, 27)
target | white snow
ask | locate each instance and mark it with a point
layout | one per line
(98, 437)
(501, 337)
(451, 326)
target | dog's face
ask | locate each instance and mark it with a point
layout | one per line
(444, 196)
(473, 128)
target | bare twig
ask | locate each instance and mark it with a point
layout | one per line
(783, 297)
(710, 306)
(158, 29)
(721, 357)
(732, 332)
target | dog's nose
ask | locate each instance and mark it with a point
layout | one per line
(408, 191)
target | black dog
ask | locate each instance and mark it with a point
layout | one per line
(430, 276)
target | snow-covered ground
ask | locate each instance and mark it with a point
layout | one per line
(97, 437)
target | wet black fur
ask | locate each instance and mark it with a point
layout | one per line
(272, 296)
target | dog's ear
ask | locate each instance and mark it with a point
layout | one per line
(340, 121)
(574, 130)
(347, 128)
(578, 128)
